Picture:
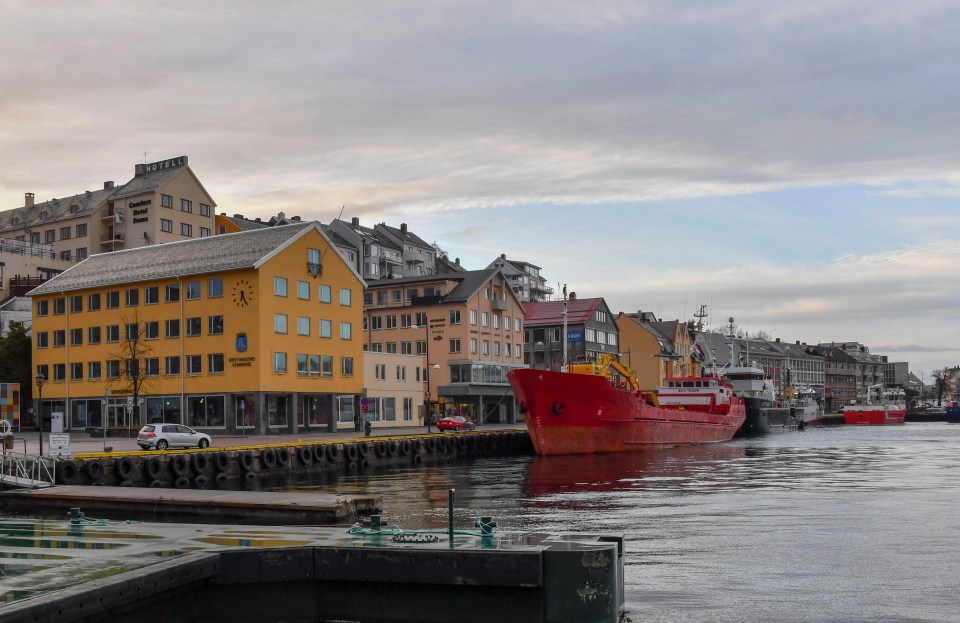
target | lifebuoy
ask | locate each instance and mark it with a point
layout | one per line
(222, 461)
(246, 461)
(351, 452)
(268, 458)
(305, 455)
(154, 468)
(178, 465)
(200, 461)
(283, 457)
(5, 428)
(67, 472)
(94, 470)
(123, 467)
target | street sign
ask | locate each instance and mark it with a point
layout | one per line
(364, 402)
(129, 401)
(60, 445)
(426, 396)
(364, 408)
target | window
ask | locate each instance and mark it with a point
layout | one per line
(517, 326)
(376, 323)
(172, 293)
(43, 308)
(113, 368)
(411, 293)
(65, 233)
(392, 347)
(313, 261)
(590, 335)
(113, 333)
(324, 294)
(315, 366)
(194, 326)
(391, 321)
(172, 328)
(398, 296)
(93, 335)
(302, 369)
(345, 330)
(345, 296)
(486, 347)
(382, 298)
(59, 371)
(454, 316)
(454, 346)
(406, 348)
(151, 366)
(50, 236)
(367, 299)
(81, 253)
(215, 325)
(303, 325)
(496, 348)
(81, 230)
(132, 297)
(132, 332)
(401, 373)
(166, 225)
(59, 306)
(93, 302)
(166, 201)
(151, 295)
(76, 337)
(346, 366)
(204, 209)
(42, 339)
(59, 338)
(601, 316)
(421, 319)
(191, 290)
(473, 346)
(186, 229)
(279, 323)
(324, 328)
(215, 288)
(484, 319)
(496, 321)
(405, 320)
(215, 363)
(172, 366)
(76, 371)
(76, 304)
(280, 286)
(186, 205)
(94, 370)
(131, 368)
(194, 364)
(407, 409)
(280, 363)
(65, 256)
(151, 330)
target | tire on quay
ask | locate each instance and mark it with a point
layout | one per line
(332, 452)
(351, 452)
(123, 468)
(154, 467)
(283, 457)
(199, 461)
(222, 462)
(268, 458)
(94, 470)
(179, 465)
(67, 472)
(246, 461)
(305, 455)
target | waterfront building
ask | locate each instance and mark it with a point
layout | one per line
(24, 266)
(393, 391)
(467, 327)
(163, 202)
(870, 367)
(763, 354)
(375, 256)
(253, 332)
(839, 376)
(525, 279)
(655, 350)
(802, 368)
(418, 257)
(591, 332)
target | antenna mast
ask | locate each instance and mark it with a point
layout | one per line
(563, 368)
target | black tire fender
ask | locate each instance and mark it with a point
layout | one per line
(179, 465)
(154, 468)
(305, 455)
(283, 457)
(222, 461)
(123, 467)
(94, 470)
(268, 458)
(200, 461)
(246, 461)
(67, 472)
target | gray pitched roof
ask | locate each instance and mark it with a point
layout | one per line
(189, 257)
(407, 237)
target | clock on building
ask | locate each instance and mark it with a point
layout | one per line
(242, 293)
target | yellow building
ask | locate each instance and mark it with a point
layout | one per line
(656, 350)
(258, 331)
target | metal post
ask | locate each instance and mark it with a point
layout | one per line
(40, 380)
(452, 494)
(563, 366)
(103, 416)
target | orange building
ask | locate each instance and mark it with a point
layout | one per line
(257, 331)
(655, 349)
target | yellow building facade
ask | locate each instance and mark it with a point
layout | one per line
(656, 349)
(259, 331)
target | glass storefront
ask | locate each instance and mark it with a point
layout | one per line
(205, 412)
(246, 410)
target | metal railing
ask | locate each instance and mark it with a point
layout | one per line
(29, 469)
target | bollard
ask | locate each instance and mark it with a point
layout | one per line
(367, 427)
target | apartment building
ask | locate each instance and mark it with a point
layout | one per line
(591, 332)
(394, 393)
(840, 372)
(803, 367)
(525, 279)
(468, 329)
(655, 349)
(252, 332)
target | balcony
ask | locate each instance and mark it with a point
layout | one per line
(390, 257)
(115, 240)
(499, 305)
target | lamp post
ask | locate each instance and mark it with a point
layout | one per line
(427, 373)
(40, 380)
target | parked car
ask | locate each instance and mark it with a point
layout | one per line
(455, 422)
(162, 436)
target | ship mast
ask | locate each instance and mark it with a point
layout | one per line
(563, 366)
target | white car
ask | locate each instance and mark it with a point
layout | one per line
(163, 436)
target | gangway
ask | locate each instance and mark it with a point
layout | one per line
(22, 470)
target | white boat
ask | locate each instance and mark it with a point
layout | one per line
(804, 407)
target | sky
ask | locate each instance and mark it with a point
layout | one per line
(792, 165)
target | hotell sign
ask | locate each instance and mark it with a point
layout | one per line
(172, 163)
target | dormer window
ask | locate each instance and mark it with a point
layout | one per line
(74, 209)
(14, 221)
(44, 215)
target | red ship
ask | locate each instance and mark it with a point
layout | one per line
(599, 408)
(883, 407)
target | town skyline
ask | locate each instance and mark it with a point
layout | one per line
(792, 167)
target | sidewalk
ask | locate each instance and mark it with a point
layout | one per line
(81, 442)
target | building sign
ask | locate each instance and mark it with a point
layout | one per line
(10, 403)
(172, 163)
(575, 335)
(242, 362)
(241, 342)
(139, 204)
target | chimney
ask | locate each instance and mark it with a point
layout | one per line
(356, 221)
(778, 340)
(457, 261)
(503, 256)
(28, 200)
(403, 228)
(108, 185)
(237, 216)
(295, 219)
(281, 216)
(798, 342)
(257, 220)
(573, 296)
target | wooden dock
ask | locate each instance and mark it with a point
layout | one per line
(220, 506)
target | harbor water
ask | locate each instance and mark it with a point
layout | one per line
(829, 524)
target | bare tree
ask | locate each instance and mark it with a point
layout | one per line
(132, 352)
(942, 380)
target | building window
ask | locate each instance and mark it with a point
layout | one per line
(473, 346)
(346, 366)
(324, 293)
(204, 232)
(43, 308)
(65, 256)
(391, 321)
(151, 295)
(406, 348)
(186, 229)
(406, 320)
(191, 290)
(81, 230)
(172, 366)
(345, 330)
(486, 347)
(315, 366)
(454, 316)
(113, 333)
(65, 233)
(59, 371)
(113, 368)
(42, 339)
(166, 201)
(194, 364)
(496, 321)
(59, 338)
(421, 319)
(50, 236)
(172, 328)
(93, 302)
(368, 299)
(215, 325)
(204, 209)
(215, 363)
(132, 297)
(166, 225)
(303, 325)
(454, 346)
(186, 205)
(132, 332)
(345, 296)
(76, 337)
(326, 365)
(484, 319)
(94, 370)
(280, 286)
(303, 290)
(76, 371)
(376, 323)
(302, 369)
(172, 293)
(279, 323)
(194, 326)
(324, 328)
(113, 299)
(93, 335)
(151, 330)
(392, 348)
(76, 304)
(280, 363)
(59, 306)
(407, 409)
(215, 288)
(151, 366)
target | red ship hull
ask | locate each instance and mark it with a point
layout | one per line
(583, 414)
(873, 416)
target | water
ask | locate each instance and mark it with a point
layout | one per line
(830, 524)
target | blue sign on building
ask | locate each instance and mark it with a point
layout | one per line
(575, 335)
(241, 342)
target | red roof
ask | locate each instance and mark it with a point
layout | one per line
(549, 313)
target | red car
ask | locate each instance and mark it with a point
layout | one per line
(454, 422)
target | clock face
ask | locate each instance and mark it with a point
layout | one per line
(242, 293)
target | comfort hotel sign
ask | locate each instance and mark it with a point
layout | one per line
(171, 163)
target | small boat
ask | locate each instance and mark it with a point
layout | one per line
(765, 414)
(599, 407)
(804, 407)
(882, 407)
(953, 412)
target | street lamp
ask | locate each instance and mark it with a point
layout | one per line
(40, 380)
(427, 373)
